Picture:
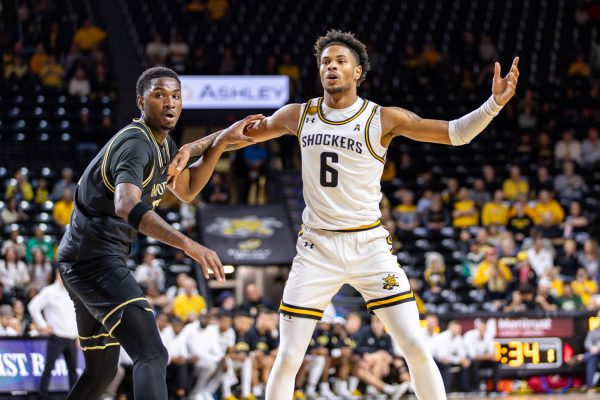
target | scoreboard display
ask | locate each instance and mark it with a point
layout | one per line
(527, 345)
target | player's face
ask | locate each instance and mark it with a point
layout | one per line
(161, 104)
(339, 70)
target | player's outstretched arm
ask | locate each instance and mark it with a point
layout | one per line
(186, 183)
(128, 206)
(396, 121)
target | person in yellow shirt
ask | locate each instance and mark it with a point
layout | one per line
(41, 192)
(495, 212)
(548, 211)
(583, 286)
(515, 185)
(52, 73)
(492, 273)
(465, 214)
(19, 187)
(63, 209)
(188, 302)
(38, 60)
(88, 36)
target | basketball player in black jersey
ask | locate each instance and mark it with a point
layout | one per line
(115, 199)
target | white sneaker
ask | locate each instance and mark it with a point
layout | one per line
(328, 394)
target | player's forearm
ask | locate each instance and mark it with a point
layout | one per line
(154, 226)
(198, 147)
(201, 170)
(463, 130)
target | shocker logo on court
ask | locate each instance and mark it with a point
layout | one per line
(390, 282)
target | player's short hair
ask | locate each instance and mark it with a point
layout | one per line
(143, 82)
(347, 39)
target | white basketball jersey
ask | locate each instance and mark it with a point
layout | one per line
(342, 164)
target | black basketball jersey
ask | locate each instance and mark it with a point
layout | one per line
(132, 156)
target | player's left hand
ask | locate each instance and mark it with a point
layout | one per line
(177, 165)
(503, 89)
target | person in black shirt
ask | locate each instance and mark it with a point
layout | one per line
(264, 347)
(520, 223)
(114, 200)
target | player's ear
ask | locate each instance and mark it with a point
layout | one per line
(139, 101)
(357, 72)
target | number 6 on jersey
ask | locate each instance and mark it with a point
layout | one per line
(325, 168)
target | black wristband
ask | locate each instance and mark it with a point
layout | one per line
(137, 212)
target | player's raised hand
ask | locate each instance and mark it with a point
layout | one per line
(236, 133)
(503, 89)
(206, 258)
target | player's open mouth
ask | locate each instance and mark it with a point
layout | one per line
(169, 116)
(331, 78)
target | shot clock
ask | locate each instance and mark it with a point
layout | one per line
(529, 353)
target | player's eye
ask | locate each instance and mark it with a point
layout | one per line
(176, 97)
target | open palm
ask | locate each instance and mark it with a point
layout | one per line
(503, 89)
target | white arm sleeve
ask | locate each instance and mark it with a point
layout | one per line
(464, 129)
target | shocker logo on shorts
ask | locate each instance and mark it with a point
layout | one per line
(390, 282)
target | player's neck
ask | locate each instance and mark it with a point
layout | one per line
(159, 135)
(339, 100)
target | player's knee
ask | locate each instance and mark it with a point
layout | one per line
(416, 350)
(157, 356)
(290, 359)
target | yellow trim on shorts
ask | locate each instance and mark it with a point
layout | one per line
(100, 347)
(303, 119)
(367, 139)
(322, 118)
(361, 228)
(391, 300)
(296, 311)
(123, 304)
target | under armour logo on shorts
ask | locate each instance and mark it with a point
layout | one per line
(306, 244)
(312, 120)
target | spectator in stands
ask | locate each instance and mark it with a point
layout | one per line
(569, 186)
(238, 358)
(567, 260)
(177, 289)
(524, 274)
(181, 364)
(253, 299)
(508, 253)
(521, 300)
(465, 213)
(228, 64)
(519, 224)
(493, 275)
(88, 36)
(405, 213)
(52, 73)
(591, 357)
(41, 192)
(479, 194)
(450, 194)
(579, 68)
(217, 9)
(436, 217)
(217, 191)
(53, 312)
(568, 148)
(543, 181)
(480, 350)
(491, 182)
(487, 49)
(255, 158)
(569, 301)
(158, 300)
(540, 258)
(226, 301)
(544, 299)
(12, 213)
(19, 187)
(157, 51)
(583, 286)
(452, 352)
(15, 241)
(515, 184)
(102, 84)
(495, 212)
(17, 73)
(544, 151)
(63, 209)
(527, 120)
(40, 269)
(8, 326)
(151, 269)
(289, 68)
(590, 149)
(548, 212)
(432, 330)
(39, 241)
(13, 271)
(66, 182)
(38, 60)
(79, 85)
(523, 150)
(179, 52)
(189, 302)
(589, 258)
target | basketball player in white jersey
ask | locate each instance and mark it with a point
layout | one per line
(343, 140)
